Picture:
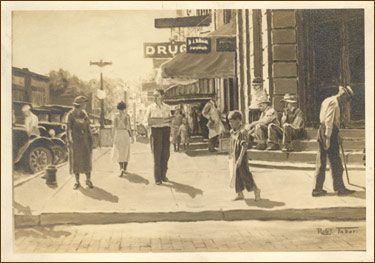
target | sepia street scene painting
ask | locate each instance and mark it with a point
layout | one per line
(188, 130)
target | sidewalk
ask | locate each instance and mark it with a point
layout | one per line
(198, 190)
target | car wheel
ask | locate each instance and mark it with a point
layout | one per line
(59, 154)
(38, 159)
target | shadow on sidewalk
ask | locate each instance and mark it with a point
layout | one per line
(41, 232)
(359, 194)
(184, 188)
(135, 178)
(263, 203)
(356, 194)
(99, 194)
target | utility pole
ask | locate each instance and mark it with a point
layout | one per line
(101, 64)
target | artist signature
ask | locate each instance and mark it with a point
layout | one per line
(337, 230)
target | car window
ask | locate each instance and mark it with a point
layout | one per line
(55, 117)
(43, 117)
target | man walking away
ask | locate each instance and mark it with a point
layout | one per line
(329, 143)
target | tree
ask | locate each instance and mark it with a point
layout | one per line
(62, 82)
(59, 81)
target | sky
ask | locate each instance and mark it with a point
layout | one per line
(49, 40)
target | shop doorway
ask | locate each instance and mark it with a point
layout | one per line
(336, 57)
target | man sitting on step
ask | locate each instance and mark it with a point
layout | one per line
(293, 125)
(259, 129)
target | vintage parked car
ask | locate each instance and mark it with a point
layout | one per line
(36, 153)
(33, 153)
(53, 118)
(52, 124)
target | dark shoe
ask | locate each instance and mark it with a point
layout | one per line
(316, 193)
(76, 186)
(89, 184)
(261, 146)
(273, 147)
(344, 192)
(122, 173)
(165, 179)
(158, 183)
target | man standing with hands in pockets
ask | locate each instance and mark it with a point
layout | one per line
(158, 117)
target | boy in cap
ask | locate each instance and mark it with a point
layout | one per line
(329, 143)
(241, 177)
(293, 125)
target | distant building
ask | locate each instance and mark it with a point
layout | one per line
(28, 86)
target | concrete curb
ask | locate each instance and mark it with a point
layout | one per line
(32, 176)
(81, 218)
(296, 166)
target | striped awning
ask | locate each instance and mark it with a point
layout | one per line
(200, 66)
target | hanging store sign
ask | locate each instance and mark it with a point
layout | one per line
(198, 45)
(164, 49)
(226, 44)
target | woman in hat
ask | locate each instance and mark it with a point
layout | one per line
(80, 141)
(122, 137)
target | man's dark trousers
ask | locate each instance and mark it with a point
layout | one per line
(160, 147)
(333, 154)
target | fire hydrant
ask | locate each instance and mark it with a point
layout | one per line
(51, 175)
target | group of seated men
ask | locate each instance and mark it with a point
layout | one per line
(271, 134)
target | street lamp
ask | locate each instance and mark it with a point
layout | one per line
(101, 94)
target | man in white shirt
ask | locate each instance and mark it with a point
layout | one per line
(329, 144)
(31, 121)
(158, 117)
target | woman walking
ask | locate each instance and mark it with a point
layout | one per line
(122, 137)
(80, 142)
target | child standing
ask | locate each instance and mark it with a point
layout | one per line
(184, 134)
(175, 126)
(241, 177)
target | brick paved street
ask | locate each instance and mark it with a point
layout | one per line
(194, 237)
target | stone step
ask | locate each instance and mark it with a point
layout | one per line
(345, 133)
(309, 157)
(312, 145)
(196, 139)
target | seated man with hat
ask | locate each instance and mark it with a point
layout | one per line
(293, 124)
(259, 129)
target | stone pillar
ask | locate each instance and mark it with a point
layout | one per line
(284, 55)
